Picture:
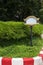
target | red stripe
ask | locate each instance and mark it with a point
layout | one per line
(41, 55)
(6, 61)
(28, 61)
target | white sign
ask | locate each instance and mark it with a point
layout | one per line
(31, 20)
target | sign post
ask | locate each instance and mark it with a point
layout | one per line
(30, 35)
(31, 20)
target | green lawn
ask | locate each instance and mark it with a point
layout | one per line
(20, 48)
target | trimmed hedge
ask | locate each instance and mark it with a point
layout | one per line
(38, 29)
(16, 30)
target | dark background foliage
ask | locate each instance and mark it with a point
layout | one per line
(19, 9)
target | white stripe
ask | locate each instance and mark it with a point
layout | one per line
(41, 52)
(17, 61)
(38, 60)
(0, 60)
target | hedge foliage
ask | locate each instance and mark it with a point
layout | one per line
(16, 30)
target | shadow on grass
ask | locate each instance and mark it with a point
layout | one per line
(22, 41)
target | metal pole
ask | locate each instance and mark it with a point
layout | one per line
(30, 35)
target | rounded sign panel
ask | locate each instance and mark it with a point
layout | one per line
(31, 21)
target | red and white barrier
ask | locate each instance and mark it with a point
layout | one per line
(23, 61)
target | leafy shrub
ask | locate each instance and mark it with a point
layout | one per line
(38, 29)
(13, 30)
(16, 30)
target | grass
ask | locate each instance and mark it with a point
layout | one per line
(20, 48)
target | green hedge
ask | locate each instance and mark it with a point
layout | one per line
(16, 30)
(38, 29)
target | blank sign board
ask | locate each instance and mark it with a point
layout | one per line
(31, 21)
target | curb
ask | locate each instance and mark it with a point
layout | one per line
(23, 61)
